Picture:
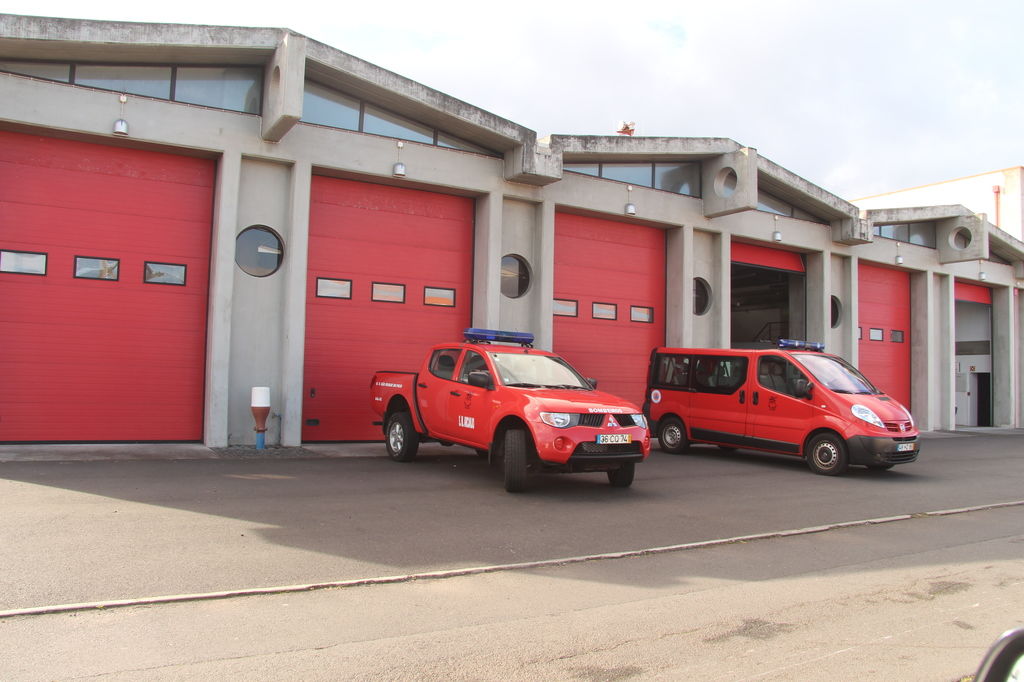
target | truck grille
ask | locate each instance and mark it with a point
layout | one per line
(899, 427)
(598, 420)
(588, 448)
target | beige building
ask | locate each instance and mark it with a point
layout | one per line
(189, 212)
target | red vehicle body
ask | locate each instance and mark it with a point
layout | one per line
(526, 406)
(798, 402)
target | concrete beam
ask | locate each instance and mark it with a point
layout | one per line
(729, 183)
(283, 86)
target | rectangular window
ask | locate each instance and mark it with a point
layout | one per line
(164, 273)
(333, 288)
(766, 202)
(150, 81)
(629, 172)
(236, 88)
(439, 296)
(388, 293)
(53, 72)
(923, 234)
(23, 262)
(326, 107)
(585, 168)
(681, 178)
(565, 307)
(380, 122)
(97, 268)
(640, 313)
(673, 370)
(896, 336)
(876, 334)
(605, 311)
(719, 374)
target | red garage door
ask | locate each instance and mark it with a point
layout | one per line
(885, 329)
(609, 300)
(390, 274)
(105, 261)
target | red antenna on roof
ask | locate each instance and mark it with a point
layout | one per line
(626, 128)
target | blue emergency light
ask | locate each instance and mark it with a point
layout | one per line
(486, 335)
(794, 344)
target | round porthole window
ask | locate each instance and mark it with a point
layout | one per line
(701, 296)
(960, 239)
(515, 276)
(837, 312)
(258, 251)
(725, 183)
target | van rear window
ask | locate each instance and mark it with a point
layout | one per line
(723, 374)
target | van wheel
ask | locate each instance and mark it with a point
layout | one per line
(826, 455)
(515, 460)
(401, 440)
(672, 436)
(623, 476)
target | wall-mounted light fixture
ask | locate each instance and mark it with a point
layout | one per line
(630, 208)
(121, 125)
(899, 258)
(982, 275)
(776, 235)
(398, 170)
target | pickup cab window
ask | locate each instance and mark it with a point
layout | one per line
(442, 363)
(471, 363)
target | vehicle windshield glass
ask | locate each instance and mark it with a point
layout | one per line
(836, 374)
(522, 369)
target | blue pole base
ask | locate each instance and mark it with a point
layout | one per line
(261, 440)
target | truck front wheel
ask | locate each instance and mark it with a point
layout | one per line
(515, 460)
(623, 476)
(401, 440)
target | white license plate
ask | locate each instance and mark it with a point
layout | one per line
(612, 438)
(906, 447)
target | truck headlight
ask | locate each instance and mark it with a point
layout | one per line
(868, 415)
(560, 420)
(640, 420)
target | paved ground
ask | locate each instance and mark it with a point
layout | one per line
(917, 597)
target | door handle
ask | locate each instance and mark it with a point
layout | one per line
(421, 385)
(743, 397)
(455, 393)
(755, 397)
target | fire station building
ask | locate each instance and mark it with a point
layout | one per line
(187, 212)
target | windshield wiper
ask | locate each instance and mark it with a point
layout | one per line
(523, 384)
(572, 386)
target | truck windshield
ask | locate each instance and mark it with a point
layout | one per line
(536, 371)
(836, 374)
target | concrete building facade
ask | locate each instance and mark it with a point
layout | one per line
(312, 218)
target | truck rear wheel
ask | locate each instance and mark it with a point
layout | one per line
(401, 438)
(672, 436)
(515, 460)
(623, 476)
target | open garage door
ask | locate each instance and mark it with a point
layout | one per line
(884, 302)
(104, 263)
(390, 274)
(609, 300)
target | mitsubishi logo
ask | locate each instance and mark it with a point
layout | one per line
(611, 422)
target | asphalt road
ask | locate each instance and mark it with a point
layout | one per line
(914, 598)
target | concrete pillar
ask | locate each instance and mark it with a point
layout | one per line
(945, 355)
(679, 274)
(1005, 342)
(487, 262)
(294, 307)
(722, 285)
(818, 290)
(545, 275)
(218, 317)
(853, 331)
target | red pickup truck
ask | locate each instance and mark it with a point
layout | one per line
(525, 406)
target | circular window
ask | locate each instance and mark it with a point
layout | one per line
(725, 182)
(515, 276)
(837, 312)
(960, 238)
(258, 251)
(701, 296)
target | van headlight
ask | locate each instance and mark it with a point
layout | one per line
(560, 420)
(868, 415)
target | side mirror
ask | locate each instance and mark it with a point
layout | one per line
(803, 388)
(481, 378)
(1005, 660)
(592, 382)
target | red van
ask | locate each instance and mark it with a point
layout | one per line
(794, 400)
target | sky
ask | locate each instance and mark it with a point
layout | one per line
(859, 97)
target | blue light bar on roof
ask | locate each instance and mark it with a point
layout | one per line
(522, 338)
(794, 344)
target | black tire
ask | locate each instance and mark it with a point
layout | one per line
(401, 438)
(482, 454)
(623, 476)
(515, 453)
(672, 436)
(826, 455)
